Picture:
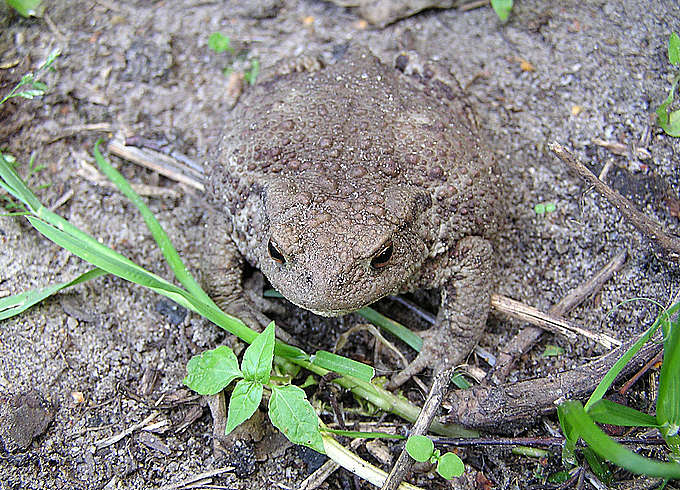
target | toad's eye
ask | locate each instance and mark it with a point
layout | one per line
(274, 252)
(383, 256)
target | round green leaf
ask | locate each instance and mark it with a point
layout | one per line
(211, 372)
(420, 448)
(293, 415)
(450, 466)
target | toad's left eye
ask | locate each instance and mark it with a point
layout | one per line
(383, 256)
(274, 252)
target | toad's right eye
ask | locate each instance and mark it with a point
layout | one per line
(274, 252)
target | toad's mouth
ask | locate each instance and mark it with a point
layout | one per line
(337, 311)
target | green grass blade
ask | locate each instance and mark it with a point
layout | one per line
(609, 449)
(13, 184)
(614, 371)
(14, 305)
(607, 412)
(343, 365)
(117, 264)
(668, 400)
(397, 329)
(355, 434)
(155, 228)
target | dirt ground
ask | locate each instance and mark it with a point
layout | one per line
(106, 355)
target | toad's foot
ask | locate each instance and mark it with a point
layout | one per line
(465, 300)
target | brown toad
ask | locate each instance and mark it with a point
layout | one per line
(351, 183)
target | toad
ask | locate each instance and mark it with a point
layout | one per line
(350, 183)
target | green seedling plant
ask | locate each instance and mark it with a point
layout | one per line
(502, 8)
(27, 8)
(219, 43)
(579, 421)
(289, 410)
(421, 448)
(30, 86)
(544, 207)
(670, 120)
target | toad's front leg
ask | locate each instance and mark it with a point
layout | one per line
(464, 307)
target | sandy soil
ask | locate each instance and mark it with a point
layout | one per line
(105, 355)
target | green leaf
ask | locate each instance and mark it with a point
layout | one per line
(502, 8)
(396, 329)
(420, 448)
(343, 365)
(669, 121)
(14, 305)
(157, 231)
(450, 466)
(460, 382)
(559, 477)
(27, 8)
(614, 371)
(258, 357)
(598, 466)
(212, 371)
(668, 400)
(573, 413)
(244, 401)
(355, 434)
(570, 435)
(219, 43)
(293, 415)
(251, 75)
(607, 412)
(674, 49)
(552, 351)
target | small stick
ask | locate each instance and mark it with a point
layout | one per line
(103, 127)
(473, 5)
(197, 478)
(114, 439)
(648, 226)
(421, 425)
(315, 480)
(626, 386)
(157, 161)
(535, 441)
(549, 322)
(526, 337)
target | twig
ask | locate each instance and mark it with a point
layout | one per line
(197, 478)
(89, 172)
(315, 480)
(670, 244)
(526, 337)
(626, 386)
(548, 322)
(114, 439)
(421, 425)
(535, 441)
(81, 128)
(157, 161)
(62, 200)
(473, 5)
(353, 463)
(624, 150)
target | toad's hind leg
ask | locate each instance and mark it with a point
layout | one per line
(464, 307)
